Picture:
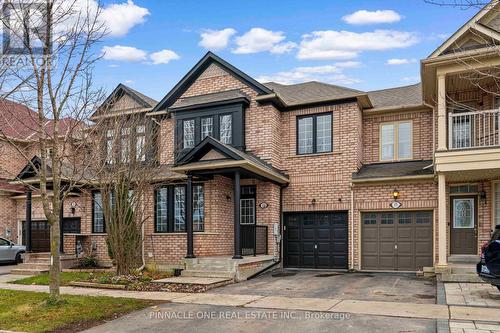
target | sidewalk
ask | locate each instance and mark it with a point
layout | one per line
(391, 309)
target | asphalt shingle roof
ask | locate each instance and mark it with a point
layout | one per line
(208, 98)
(399, 96)
(398, 169)
(310, 92)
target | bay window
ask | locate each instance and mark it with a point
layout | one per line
(314, 134)
(396, 141)
(170, 209)
(226, 129)
(206, 127)
(188, 133)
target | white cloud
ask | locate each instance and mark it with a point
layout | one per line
(216, 39)
(129, 81)
(330, 44)
(326, 73)
(401, 61)
(163, 57)
(121, 17)
(262, 40)
(372, 17)
(113, 65)
(123, 53)
(412, 79)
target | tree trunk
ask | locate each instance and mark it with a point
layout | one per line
(55, 259)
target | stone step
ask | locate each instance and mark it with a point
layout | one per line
(211, 274)
(204, 267)
(463, 269)
(27, 271)
(472, 278)
(42, 255)
(463, 259)
(33, 266)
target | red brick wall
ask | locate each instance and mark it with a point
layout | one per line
(422, 134)
(8, 218)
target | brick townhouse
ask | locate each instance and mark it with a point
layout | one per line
(312, 174)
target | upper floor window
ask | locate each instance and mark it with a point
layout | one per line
(140, 143)
(125, 145)
(396, 141)
(188, 133)
(314, 134)
(109, 146)
(226, 129)
(207, 127)
(170, 206)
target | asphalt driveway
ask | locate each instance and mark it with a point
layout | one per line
(5, 268)
(388, 287)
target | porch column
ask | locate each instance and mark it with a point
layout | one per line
(189, 217)
(442, 225)
(237, 232)
(441, 104)
(61, 226)
(28, 221)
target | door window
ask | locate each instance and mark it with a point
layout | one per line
(463, 213)
(247, 208)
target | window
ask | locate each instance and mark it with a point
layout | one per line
(109, 146)
(140, 152)
(161, 224)
(198, 208)
(97, 213)
(206, 127)
(396, 141)
(314, 134)
(188, 133)
(247, 211)
(125, 145)
(497, 203)
(4, 242)
(170, 209)
(465, 188)
(226, 129)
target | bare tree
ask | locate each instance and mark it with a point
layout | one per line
(49, 69)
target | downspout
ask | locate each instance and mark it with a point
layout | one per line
(433, 134)
(143, 266)
(351, 229)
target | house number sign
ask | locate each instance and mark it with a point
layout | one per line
(263, 205)
(396, 204)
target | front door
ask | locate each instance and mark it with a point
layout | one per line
(247, 220)
(463, 236)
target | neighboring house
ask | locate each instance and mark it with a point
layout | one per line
(394, 179)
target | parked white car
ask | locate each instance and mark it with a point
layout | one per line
(10, 252)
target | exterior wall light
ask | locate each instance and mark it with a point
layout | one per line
(395, 194)
(482, 197)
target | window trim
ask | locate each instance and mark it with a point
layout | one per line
(315, 133)
(171, 208)
(395, 157)
(93, 215)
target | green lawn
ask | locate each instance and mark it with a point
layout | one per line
(66, 277)
(27, 311)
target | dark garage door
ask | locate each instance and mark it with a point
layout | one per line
(396, 240)
(316, 240)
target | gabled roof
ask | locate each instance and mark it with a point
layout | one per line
(210, 99)
(226, 157)
(311, 92)
(29, 171)
(142, 100)
(473, 24)
(197, 70)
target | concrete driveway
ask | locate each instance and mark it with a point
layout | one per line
(5, 268)
(210, 318)
(388, 287)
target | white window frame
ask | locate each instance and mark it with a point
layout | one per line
(395, 156)
(252, 200)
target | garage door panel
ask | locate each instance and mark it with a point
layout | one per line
(325, 230)
(399, 240)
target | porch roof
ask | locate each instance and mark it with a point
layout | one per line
(211, 154)
(400, 170)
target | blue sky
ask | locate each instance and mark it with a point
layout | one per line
(153, 43)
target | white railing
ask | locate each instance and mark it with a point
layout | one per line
(474, 129)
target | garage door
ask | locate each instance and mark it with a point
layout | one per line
(316, 240)
(396, 240)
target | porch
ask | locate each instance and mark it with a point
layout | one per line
(255, 203)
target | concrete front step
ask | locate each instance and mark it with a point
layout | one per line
(208, 274)
(199, 267)
(471, 278)
(463, 259)
(31, 265)
(41, 255)
(463, 269)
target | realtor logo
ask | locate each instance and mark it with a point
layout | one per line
(24, 25)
